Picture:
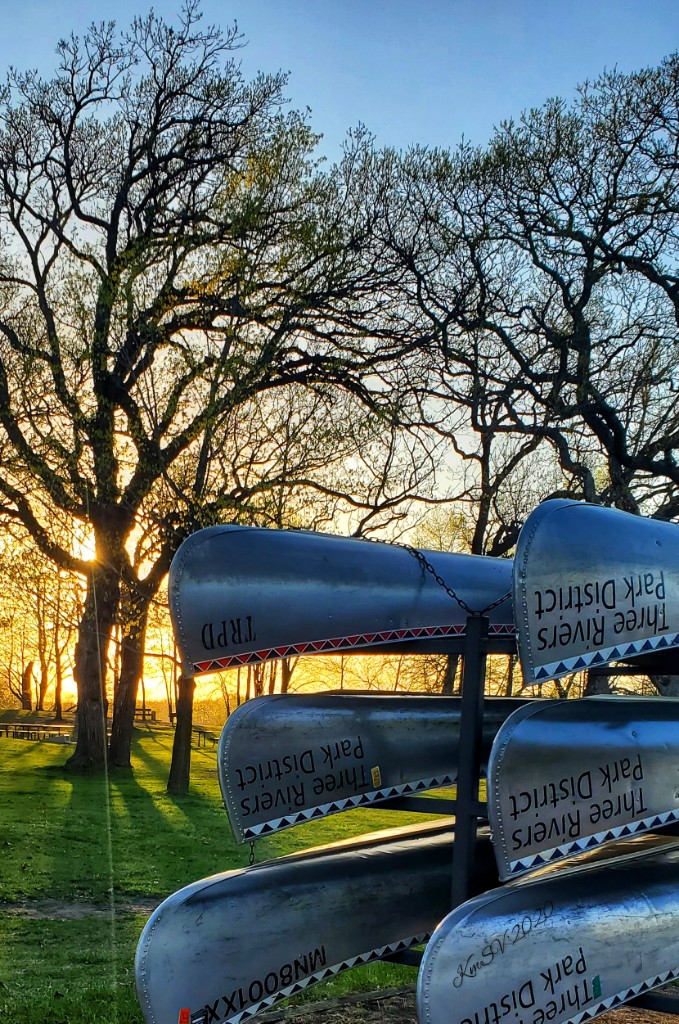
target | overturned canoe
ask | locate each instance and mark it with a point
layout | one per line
(289, 759)
(226, 947)
(593, 585)
(563, 948)
(567, 776)
(241, 595)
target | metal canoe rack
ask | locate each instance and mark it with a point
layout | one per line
(212, 555)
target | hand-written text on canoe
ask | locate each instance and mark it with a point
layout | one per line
(559, 991)
(499, 944)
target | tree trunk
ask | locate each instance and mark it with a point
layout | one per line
(101, 604)
(44, 687)
(511, 664)
(116, 644)
(180, 768)
(134, 615)
(667, 686)
(287, 668)
(449, 677)
(58, 707)
(597, 682)
(258, 678)
(58, 660)
(26, 680)
(485, 496)
(171, 688)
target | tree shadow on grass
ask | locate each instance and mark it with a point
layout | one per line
(53, 826)
(156, 762)
(188, 839)
(26, 750)
(77, 837)
(81, 840)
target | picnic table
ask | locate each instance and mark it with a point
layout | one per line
(204, 735)
(34, 730)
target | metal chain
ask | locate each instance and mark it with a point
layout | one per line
(496, 604)
(428, 567)
(252, 855)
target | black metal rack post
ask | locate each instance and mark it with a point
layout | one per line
(468, 809)
(466, 806)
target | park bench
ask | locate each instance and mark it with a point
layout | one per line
(144, 715)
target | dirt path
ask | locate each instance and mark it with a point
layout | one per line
(58, 910)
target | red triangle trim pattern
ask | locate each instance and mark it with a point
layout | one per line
(342, 643)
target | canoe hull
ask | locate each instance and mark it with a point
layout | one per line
(563, 948)
(593, 585)
(243, 595)
(328, 753)
(567, 776)
(227, 947)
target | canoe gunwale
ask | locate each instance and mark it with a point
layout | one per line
(358, 644)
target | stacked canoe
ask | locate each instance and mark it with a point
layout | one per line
(575, 885)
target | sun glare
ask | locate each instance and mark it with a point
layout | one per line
(84, 546)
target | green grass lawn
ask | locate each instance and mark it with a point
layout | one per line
(92, 842)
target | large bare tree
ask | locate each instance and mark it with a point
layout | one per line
(168, 252)
(539, 273)
(584, 196)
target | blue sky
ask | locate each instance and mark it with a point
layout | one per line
(425, 71)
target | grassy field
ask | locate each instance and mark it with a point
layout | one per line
(81, 852)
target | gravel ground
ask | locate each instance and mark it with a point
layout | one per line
(398, 1007)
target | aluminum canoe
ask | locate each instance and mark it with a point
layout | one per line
(228, 947)
(288, 759)
(567, 776)
(560, 949)
(593, 585)
(241, 595)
